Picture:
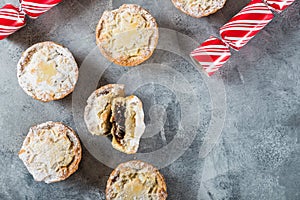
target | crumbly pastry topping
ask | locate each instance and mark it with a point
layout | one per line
(199, 8)
(127, 35)
(136, 180)
(47, 71)
(98, 110)
(51, 152)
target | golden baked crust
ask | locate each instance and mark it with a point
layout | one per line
(47, 71)
(136, 180)
(128, 35)
(51, 152)
(199, 8)
(127, 123)
(98, 109)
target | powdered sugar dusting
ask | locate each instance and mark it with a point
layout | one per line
(47, 71)
(199, 8)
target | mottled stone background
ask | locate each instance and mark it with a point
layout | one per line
(258, 154)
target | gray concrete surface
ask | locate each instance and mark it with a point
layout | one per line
(258, 154)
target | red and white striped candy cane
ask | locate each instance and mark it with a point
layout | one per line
(246, 24)
(211, 55)
(11, 20)
(35, 8)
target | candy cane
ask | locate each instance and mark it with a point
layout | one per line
(13, 18)
(211, 55)
(246, 24)
(237, 33)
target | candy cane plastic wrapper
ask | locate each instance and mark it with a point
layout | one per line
(246, 24)
(13, 18)
(211, 55)
(34, 8)
(241, 29)
(279, 5)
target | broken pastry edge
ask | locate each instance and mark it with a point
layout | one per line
(91, 115)
(131, 139)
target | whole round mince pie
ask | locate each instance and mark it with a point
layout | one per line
(128, 35)
(51, 152)
(47, 71)
(136, 180)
